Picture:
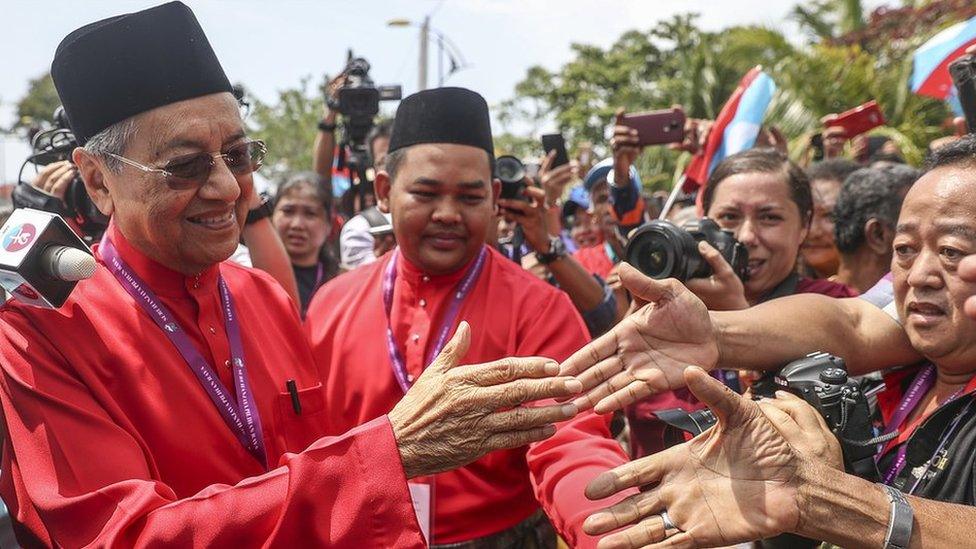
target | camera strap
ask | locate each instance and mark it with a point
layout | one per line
(461, 292)
(241, 417)
(920, 386)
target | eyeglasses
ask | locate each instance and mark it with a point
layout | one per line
(193, 170)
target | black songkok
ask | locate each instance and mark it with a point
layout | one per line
(119, 67)
(443, 115)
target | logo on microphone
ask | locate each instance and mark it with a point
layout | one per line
(19, 237)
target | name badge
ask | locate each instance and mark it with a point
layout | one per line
(420, 494)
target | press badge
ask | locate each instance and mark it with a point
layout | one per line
(420, 494)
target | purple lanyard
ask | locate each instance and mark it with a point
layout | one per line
(319, 273)
(241, 418)
(462, 291)
(920, 386)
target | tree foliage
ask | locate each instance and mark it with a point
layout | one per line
(288, 126)
(37, 106)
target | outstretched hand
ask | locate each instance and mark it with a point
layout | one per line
(736, 482)
(648, 351)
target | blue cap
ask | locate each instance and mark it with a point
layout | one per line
(600, 171)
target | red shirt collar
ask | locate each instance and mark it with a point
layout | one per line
(161, 279)
(411, 273)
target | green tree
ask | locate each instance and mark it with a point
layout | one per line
(38, 104)
(826, 20)
(288, 127)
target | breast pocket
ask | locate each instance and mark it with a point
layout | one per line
(301, 421)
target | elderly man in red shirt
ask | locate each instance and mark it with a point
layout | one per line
(173, 399)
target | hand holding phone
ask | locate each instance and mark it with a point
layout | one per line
(657, 127)
(555, 142)
(858, 120)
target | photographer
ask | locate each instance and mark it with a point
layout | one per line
(765, 199)
(932, 409)
(590, 295)
(865, 216)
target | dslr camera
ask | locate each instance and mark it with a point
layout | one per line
(821, 380)
(55, 145)
(660, 249)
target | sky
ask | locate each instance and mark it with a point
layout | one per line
(269, 45)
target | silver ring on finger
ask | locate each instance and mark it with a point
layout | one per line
(670, 528)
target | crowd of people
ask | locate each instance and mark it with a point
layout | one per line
(419, 361)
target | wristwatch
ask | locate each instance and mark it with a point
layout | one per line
(263, 210)
(901, 521)
(557, 250)
(326, 127)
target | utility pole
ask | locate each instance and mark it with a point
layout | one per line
(422, 65)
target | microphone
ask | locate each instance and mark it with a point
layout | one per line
(41, 258)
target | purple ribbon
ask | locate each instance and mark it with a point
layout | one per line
(242, 418)
(921, 385)
(443, 333)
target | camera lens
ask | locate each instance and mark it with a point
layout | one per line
(661, 250)
(510, 169)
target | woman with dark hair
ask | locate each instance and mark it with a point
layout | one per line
(303, 218)
(766, 201)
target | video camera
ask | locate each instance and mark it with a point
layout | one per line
(660, 249)
(821, 380)
(55, 145)
(358, 101)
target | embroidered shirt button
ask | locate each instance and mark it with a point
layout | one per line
(425, 278)
(213, 330)
(415, 337)
(423, 302)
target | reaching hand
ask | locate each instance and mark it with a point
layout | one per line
(531, 216)
(555, 180)
(734, 483)
(626, 149)
(454, 414)
(649, 350)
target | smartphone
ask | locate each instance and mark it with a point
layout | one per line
(555, 142)
(859, 119)
(658, 127)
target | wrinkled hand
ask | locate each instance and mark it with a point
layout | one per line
(648, 351)
(734, 483)
(723, 291)
(55, 178)
(531, 216)
(454, 414)
(804, 428)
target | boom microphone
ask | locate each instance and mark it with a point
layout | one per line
(41, 258)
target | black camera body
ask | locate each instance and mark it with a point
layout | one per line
(56, 145)
(660, 249)
(358, 100)
(821, 380)
(511, 172)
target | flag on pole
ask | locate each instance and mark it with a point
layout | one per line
(735, 128)
(930, 63)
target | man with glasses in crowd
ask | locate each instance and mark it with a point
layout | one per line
(173, 399)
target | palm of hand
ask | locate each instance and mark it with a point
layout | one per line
(745, 461)
(666, 337)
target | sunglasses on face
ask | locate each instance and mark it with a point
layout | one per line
(193, 170)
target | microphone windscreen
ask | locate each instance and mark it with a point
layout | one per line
(68, 264)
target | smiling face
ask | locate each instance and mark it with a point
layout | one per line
(758, 208)
(936, 229)
(442, 203)
(190, 229)
(818, 249)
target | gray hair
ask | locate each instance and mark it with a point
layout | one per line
(112, 140)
